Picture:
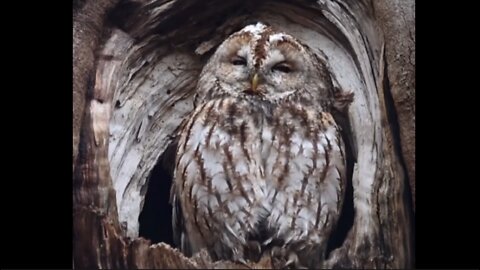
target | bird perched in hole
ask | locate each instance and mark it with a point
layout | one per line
(260, 163)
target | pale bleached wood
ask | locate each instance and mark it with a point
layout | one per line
(150, 103)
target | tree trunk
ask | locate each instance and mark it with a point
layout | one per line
(135, 68)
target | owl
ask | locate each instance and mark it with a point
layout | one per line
(260, 163)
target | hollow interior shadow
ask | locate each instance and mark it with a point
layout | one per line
(156, 217)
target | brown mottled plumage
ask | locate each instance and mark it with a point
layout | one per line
(260, 164)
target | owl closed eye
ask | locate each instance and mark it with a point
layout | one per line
(260, 62)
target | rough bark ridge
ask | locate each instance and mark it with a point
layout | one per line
(88, 24)
(140, 78)
(397, 21)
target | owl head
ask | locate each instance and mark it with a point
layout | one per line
(261, 63)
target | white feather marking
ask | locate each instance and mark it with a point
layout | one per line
(283, 225)
(211, 164)
(199, 133)
(306, 227)
(219, 183)
(296, 141)
(229, 229)
(306, 214)
(276, 37)
(284, 94)
(330, 187)
(243, 52)
(266, 242)
(241, 168)
(275, 57)
(195, 191)
(255, 29)
(212, 202)
(307, 147)
(219, 137)
(192, 171)
(233, 206)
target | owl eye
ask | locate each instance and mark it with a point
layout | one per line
(282, 67)
(239, 61)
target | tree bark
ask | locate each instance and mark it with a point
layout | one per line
(135, 69)
(88, 20)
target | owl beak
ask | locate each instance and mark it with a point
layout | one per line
(254, 82)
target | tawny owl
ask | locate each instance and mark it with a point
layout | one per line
(260, 163)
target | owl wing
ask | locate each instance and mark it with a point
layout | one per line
(307, 168)
(180, 237)
(213, 179)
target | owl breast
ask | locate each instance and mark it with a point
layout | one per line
(251, 176)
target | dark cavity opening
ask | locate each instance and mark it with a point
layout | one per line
(156, 217)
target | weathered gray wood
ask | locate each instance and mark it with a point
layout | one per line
(145, 76)
(152, 99)
(88, 21)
